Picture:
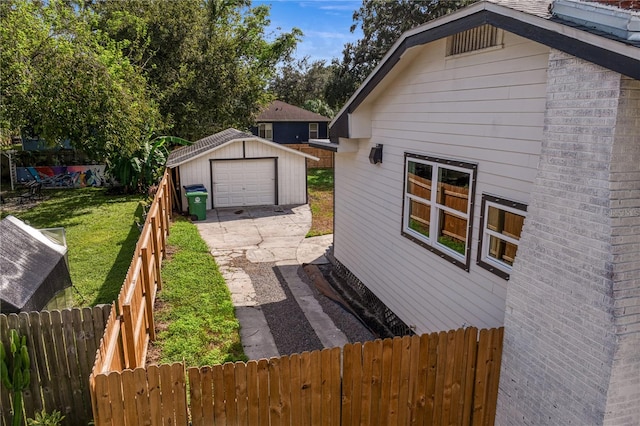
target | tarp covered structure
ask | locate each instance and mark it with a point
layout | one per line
(32, 267)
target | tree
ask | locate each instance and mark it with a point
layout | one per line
(61, 80)
(299, 81)
(382, 24)
(208, 63)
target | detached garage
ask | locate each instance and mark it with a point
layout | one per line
(241, 169)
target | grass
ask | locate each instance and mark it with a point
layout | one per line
(195, 314)
(320, 186)
(101, 237)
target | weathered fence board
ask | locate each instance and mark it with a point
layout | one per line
(61, 347)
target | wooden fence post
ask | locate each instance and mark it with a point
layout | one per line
(149, 290)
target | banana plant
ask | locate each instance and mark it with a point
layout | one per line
(15, 372)
(145, 167)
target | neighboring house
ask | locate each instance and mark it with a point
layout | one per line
(487, 172)
(240, 169)
(288, 124)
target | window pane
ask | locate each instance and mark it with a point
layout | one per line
(502, 250)
(419, 180)
(419, 216)
(453, 189)
(505, 222)
(452, 232)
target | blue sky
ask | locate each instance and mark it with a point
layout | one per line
(325, 24)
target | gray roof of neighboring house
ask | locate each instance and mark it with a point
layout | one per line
(180, 155)
(282, 111)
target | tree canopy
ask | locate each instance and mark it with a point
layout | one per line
(382, 24)
(61, 80)
(111, 75)
(302, 83)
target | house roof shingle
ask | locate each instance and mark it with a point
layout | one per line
(282, 111)
(204, 145)
(180, 155)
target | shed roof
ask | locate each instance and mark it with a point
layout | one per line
(211, 143)
(528, 19)
(282, 111)
(33, 267)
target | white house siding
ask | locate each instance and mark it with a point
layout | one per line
(292, 187)
(485, 108)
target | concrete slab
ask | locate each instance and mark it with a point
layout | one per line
(257, 340)
(268, 234)
(330, 335)
(312, 250)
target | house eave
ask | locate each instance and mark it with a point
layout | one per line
(324, 144)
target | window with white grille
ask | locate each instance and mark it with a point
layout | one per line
(474, 39)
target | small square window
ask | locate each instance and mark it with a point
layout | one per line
(265, 131)
(502, 222)
(313, 130)
(439, 218)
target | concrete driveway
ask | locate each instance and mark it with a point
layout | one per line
(260, 251)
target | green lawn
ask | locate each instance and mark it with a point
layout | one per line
(101, 236)
(194, 312)
(320, 186)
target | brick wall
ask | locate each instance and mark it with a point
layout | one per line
(572, 316)
(623, 402)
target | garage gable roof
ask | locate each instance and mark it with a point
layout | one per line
(526, 19)
(217, 140)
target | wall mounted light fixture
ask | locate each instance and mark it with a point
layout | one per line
(375, 156)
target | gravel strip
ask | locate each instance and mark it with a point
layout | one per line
(291, 331)
(350, 325)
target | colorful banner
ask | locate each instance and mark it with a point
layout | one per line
(64, 176)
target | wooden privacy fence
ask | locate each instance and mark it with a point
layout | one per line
(62, 349)
(326, 157)
(131, 325)
(439, 378)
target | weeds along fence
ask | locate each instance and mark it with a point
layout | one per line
(62, 348)
(439, 378)
(131, 325)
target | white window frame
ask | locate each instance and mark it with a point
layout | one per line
(487, 262)
(432, 244)
(265, 131)
(317, 130)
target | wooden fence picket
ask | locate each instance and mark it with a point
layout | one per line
(436, 379)
(61, 362)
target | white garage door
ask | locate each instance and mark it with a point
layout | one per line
(244, 183)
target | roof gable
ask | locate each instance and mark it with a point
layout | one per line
(282, 111)
(526, 19)
(211, 143)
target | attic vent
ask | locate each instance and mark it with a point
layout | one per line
(474, 39)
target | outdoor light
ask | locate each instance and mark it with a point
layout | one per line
(375, 156)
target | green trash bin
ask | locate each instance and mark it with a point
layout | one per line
(197, 204)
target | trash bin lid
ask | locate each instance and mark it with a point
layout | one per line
(195, 187)
(197, 194)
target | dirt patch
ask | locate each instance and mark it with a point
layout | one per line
(154, 352)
